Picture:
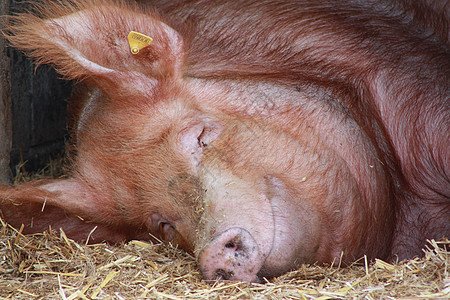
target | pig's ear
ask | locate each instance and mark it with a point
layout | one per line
(194, 139)
(65, 204)
(88, 40)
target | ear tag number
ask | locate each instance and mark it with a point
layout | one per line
(138, 41)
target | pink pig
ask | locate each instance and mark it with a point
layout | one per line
(257, 135)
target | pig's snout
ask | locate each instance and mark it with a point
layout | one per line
(233, 255)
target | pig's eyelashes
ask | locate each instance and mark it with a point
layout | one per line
(196, 137)
(209, 133)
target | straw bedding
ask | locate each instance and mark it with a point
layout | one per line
(51, 266)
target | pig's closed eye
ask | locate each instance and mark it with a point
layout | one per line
(167, 231)
(164, 226)
(201, 139)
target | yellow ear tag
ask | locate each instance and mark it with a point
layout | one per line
(138, 41)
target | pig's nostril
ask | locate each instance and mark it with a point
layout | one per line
(235, 244)
(230, 244)
(232, 255)
(221, 274)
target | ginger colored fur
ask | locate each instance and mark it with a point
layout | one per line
(339, 108)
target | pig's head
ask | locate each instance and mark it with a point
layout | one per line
(127, 171)
(157, 157)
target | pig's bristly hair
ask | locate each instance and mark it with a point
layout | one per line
(25, 30)
(38, 33)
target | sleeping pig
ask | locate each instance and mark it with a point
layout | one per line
(256, 135)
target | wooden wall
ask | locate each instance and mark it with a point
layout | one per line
(5, 105)
(36, 107)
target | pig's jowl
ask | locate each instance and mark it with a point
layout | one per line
(257, 135)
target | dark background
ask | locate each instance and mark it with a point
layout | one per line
(38, 104)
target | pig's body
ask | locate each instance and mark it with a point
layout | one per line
(257, 135)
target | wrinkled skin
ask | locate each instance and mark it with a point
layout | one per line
(256, 135)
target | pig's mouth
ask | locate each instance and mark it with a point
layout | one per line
(272, 262)
(264, 270)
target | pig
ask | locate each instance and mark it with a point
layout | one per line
(255, 135)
